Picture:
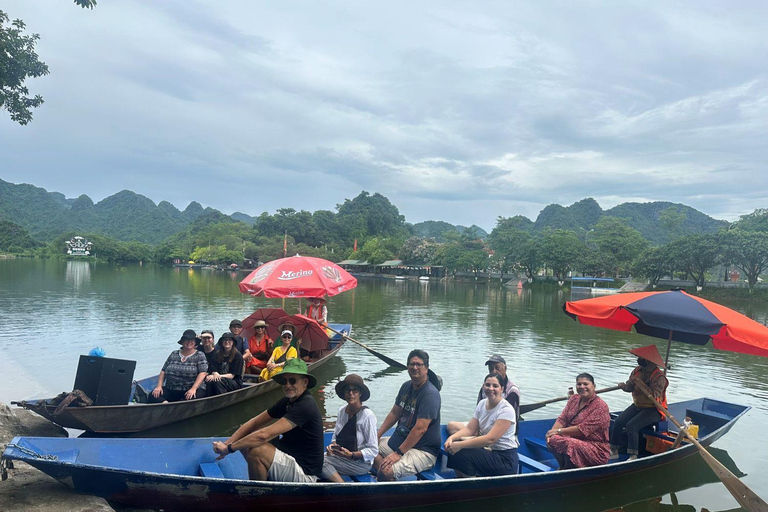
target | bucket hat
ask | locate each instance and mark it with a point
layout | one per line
(353, 380)
(295, 366)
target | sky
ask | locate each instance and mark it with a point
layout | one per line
(455, 111)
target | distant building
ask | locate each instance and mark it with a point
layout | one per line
(78, 246)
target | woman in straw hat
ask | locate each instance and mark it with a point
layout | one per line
(642, 412)
(259, 348)
(354, 443)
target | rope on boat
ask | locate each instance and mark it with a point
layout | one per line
(32, 453)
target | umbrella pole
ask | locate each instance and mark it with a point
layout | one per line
(666, 358)
(738, 489)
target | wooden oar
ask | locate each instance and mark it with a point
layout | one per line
(381, 356)
(743, 494)
(538, 405)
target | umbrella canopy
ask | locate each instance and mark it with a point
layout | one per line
(313, 336)
(270, 316)
(674, 315)
(298, 276)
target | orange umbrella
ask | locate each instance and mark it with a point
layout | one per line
(673, 315)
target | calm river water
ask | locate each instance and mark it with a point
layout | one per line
(51, 312)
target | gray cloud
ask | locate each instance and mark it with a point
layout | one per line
(454, 111)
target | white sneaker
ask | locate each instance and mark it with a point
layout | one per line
(614, 455)
(632, 457)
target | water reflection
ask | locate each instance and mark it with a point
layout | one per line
(78, 274)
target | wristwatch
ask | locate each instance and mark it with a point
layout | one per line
(229, 448)
(558, 431)
(397, 451)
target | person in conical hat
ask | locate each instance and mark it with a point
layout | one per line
(642, 412)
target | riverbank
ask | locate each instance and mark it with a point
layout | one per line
(30, 490)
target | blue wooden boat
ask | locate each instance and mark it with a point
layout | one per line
(138, 416)
(182, 474)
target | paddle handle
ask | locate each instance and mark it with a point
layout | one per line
(384, 358)
(526, 408)
(738, 489)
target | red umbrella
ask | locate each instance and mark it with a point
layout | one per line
(269, 315)
(298, 276)
(313, 336)
(674, 315)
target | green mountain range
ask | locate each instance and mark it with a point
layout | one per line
(129, 216)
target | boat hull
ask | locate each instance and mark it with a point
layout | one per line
(138, 417)
(160, 473)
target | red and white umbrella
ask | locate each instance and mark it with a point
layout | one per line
(313, 336)
(271, 316)
(298, 276)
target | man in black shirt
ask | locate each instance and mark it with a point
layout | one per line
(298, 456)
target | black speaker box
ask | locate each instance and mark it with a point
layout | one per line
(106, 381)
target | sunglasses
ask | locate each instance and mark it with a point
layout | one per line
(259, 327)
(287, 336)
(206, 337)
(352, 390)
(416, 365)
(290, 380)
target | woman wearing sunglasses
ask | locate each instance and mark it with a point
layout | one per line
(279, 357)
(354, 443)
(259, 348)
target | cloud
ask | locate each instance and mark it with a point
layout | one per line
(455, 112)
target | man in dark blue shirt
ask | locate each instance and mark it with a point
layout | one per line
(416, 442)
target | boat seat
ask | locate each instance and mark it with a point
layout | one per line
(210, 470)
(535, 442)
(532, 464)
(429, 474)
(366, 478)
(708, 421)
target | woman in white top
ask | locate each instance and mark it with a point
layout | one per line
(354, 443)
(493, 426)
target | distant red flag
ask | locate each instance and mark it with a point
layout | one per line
(355, 249)
(285, 245)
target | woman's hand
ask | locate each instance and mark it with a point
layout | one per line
(216, 376)
(343, 452)
(190, 394)
(157, 391)
(454, 447)
(208, 378)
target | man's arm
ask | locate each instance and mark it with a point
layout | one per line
(418, 430)
(250, 426)
(390, 420)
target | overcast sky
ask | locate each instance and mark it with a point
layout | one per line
(460, 112)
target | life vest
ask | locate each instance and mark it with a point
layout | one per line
(316, 313)
(654, 373)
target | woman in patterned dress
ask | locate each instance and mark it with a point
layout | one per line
(579, 437)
